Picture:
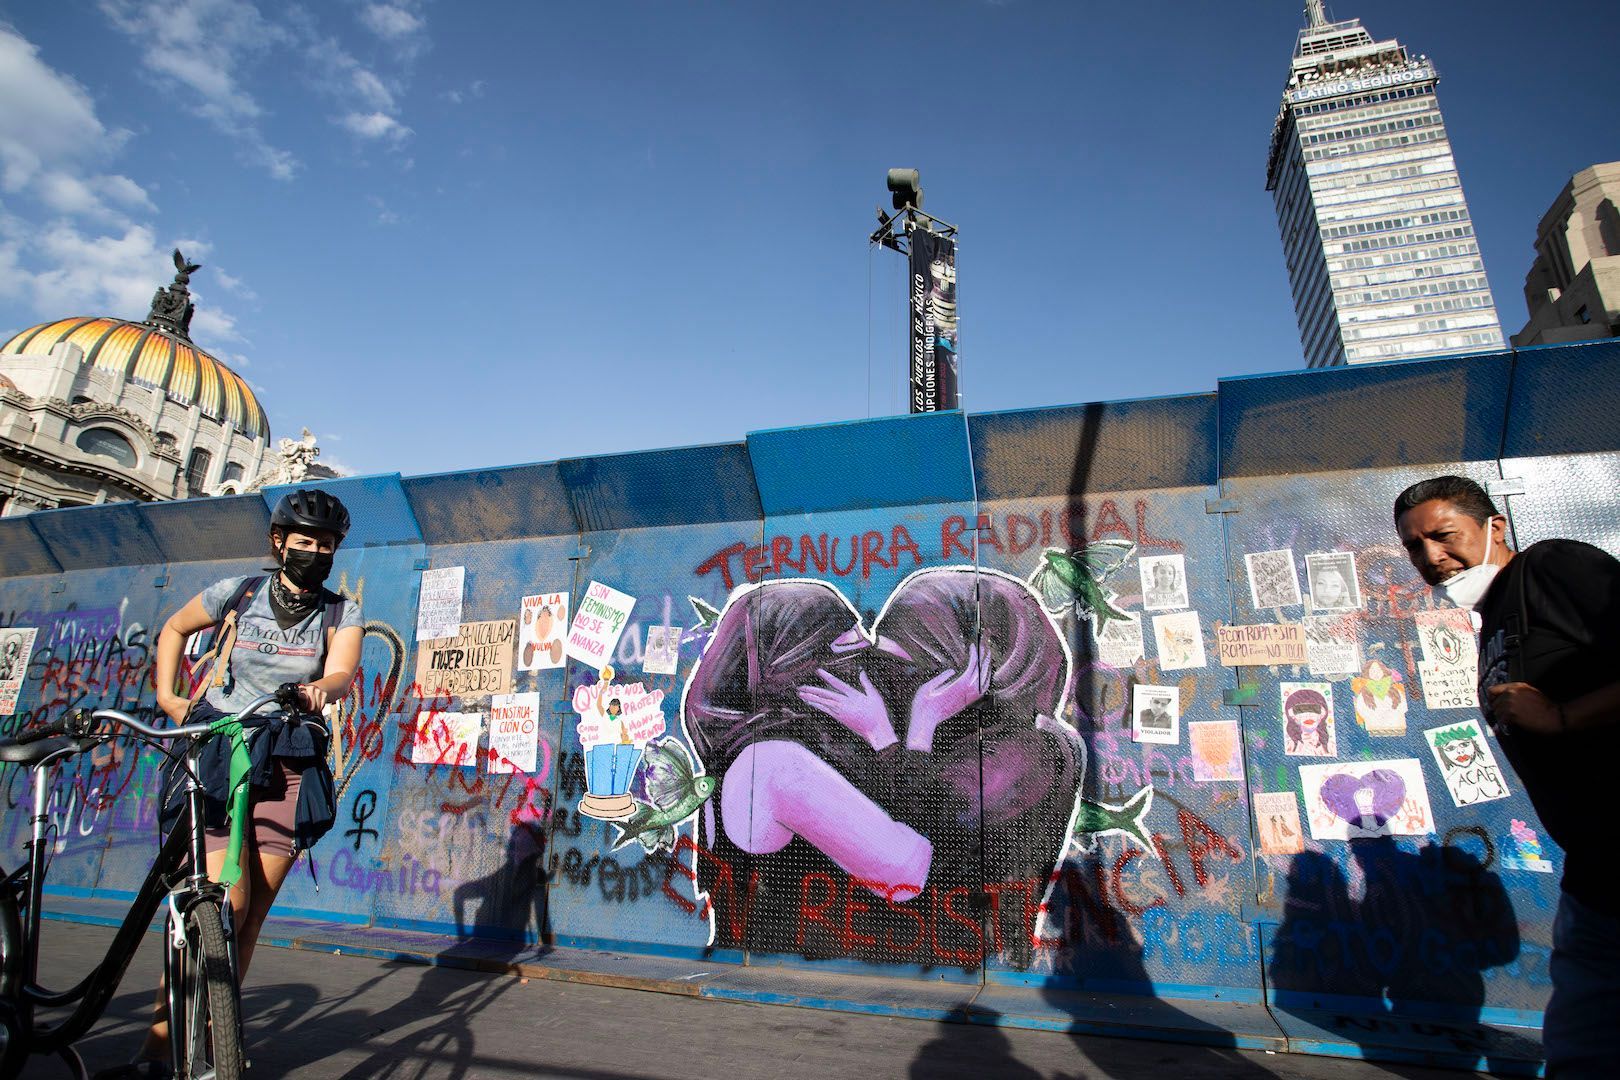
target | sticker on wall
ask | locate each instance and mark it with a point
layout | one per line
(438, 609)
(675, 791)
(1449, 669)
(616, 722)
(1333, 581)
(1308, 721)
(1522, 850)
(1156, 714)
(16, 647)
(542, 620)
(1164, 582)
(1217, 750)
(663, 652)
(1330, 651)
(1466, 763)
(472, 665)
(1348, 800)
(1276, 819)
(446, 738)
(1380, 698)
(1119, 641)
(1180, 639)
(1260, 645)
(514, 732)
(1074, 582)
(598, 624)
(1273, 581)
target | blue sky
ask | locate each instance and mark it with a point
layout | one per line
(454, 235)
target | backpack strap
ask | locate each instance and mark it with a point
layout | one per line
(218, 655)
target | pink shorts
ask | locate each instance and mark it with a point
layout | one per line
(272, 811)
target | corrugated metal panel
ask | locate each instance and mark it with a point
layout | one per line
(491, 504)
(664, 487)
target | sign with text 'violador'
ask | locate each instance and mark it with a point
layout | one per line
(932, 302)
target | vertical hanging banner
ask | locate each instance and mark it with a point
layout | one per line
(933, 322)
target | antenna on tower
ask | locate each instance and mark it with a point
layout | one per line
(1314, 14)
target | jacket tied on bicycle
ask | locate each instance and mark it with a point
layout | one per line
(300, 746)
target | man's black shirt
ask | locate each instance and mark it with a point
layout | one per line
(1568, 647)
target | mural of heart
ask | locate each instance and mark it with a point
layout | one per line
(1378, 792)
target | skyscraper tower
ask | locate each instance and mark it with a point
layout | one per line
(1380, 248)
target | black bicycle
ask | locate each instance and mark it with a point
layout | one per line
(205, 1032)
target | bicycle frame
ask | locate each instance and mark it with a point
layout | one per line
(95, 990)
(90, 997)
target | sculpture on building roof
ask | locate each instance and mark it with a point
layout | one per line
(172, 307)
(292, 464)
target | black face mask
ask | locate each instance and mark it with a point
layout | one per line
(304, 568)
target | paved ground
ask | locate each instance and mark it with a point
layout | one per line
(315, 1015)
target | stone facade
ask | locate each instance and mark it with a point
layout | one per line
(72, 434)
(1573, 287)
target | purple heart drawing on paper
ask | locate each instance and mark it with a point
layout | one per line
(1378, 794)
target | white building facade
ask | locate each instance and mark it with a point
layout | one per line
(106, 410)
(1380, 248)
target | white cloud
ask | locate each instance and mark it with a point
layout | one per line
(374, 126)
(71, 238)
(390, 22)
(371, 90)
(385, 216)
(201, 48)
(473, 91)
(232, 284)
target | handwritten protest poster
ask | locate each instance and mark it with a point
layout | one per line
(16, 647)
(1332, 651)
(1351, 799)
(1261, 645)
(446, 738)
(1217, 750)
(663, 652)
(542, 620)
(1276, 819)
(1273, 580)
(514, 732)
(474, 664)
(438, 608)
(1466, 763)
(1119, 641)
(598, 624)
(611, 712)
(1449, 669)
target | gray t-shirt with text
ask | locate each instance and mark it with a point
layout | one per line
(265, 655)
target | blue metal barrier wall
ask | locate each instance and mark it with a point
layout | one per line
(882, 680)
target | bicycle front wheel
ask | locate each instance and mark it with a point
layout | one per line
(208, 1034)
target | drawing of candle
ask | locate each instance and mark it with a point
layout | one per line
(615, 725)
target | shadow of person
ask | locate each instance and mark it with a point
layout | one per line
(1403, 969)
(1437, 918)
(1106, 988)
(508, 904)
(970, 1051)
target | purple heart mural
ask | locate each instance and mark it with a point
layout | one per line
(1378, 794)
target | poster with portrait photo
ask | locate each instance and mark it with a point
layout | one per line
(1156, 714)
(1273, 581)
(1164, 582)
(663, 653)
(1333, 581)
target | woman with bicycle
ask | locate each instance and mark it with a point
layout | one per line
(269, 631)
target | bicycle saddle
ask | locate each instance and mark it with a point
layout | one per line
(35, 752)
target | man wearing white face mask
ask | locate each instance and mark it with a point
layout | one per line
(1549, 621)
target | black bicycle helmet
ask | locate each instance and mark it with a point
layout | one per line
(311, 508)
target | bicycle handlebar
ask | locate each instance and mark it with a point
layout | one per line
(81, 723)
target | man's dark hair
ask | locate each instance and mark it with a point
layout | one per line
(1459, 491)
